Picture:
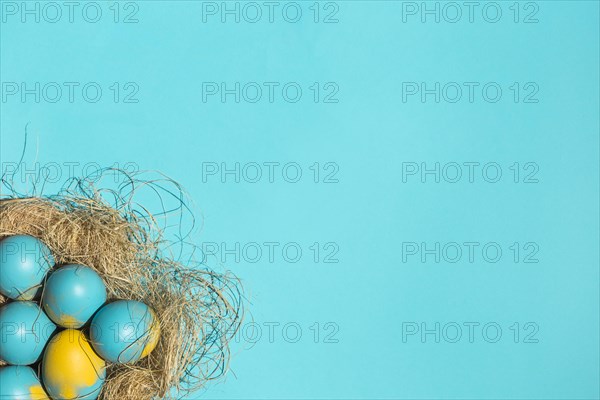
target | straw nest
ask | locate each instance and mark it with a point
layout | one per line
(199, 310)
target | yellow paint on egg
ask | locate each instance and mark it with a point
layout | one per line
(67, 320)
(50, 312)
(154, 335)
(28, 294)
(71, 369)
(62, 320)
(37, 393)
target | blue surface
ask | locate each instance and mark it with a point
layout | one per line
(367, 211)
(72, 294)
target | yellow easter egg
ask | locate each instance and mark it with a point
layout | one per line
(71, 369)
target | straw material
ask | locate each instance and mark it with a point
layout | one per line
(198, 309)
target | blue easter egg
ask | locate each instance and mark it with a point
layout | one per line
(20, 383)
(24, 331)
(72, 294)
(24, 261)
(124, 331)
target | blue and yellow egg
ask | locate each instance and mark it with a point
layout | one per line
(25, 329)
(72, 294)
(71, 369)
(20, 383)
(124, 331)
(24, 261)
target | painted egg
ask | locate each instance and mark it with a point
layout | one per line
(124, 331)
(25, 330)
(20, 383)
(71, 369)
(72, 294)
(24, 261)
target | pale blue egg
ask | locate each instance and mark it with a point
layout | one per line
(124, 331)
(24, 331)
(72, 294)
(24, 261)
(20, 383)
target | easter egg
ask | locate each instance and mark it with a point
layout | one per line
(124, 331)
(24, 261)
(24, 331)
(20, 383)
(72, 294)
(71, 369)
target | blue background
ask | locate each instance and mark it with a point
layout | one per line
(369, 133)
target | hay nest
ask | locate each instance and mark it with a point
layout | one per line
(199, 310)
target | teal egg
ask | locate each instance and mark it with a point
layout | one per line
(24, 261)
(20, 383)
(72, 294)
(124, 331)
(24, 331)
